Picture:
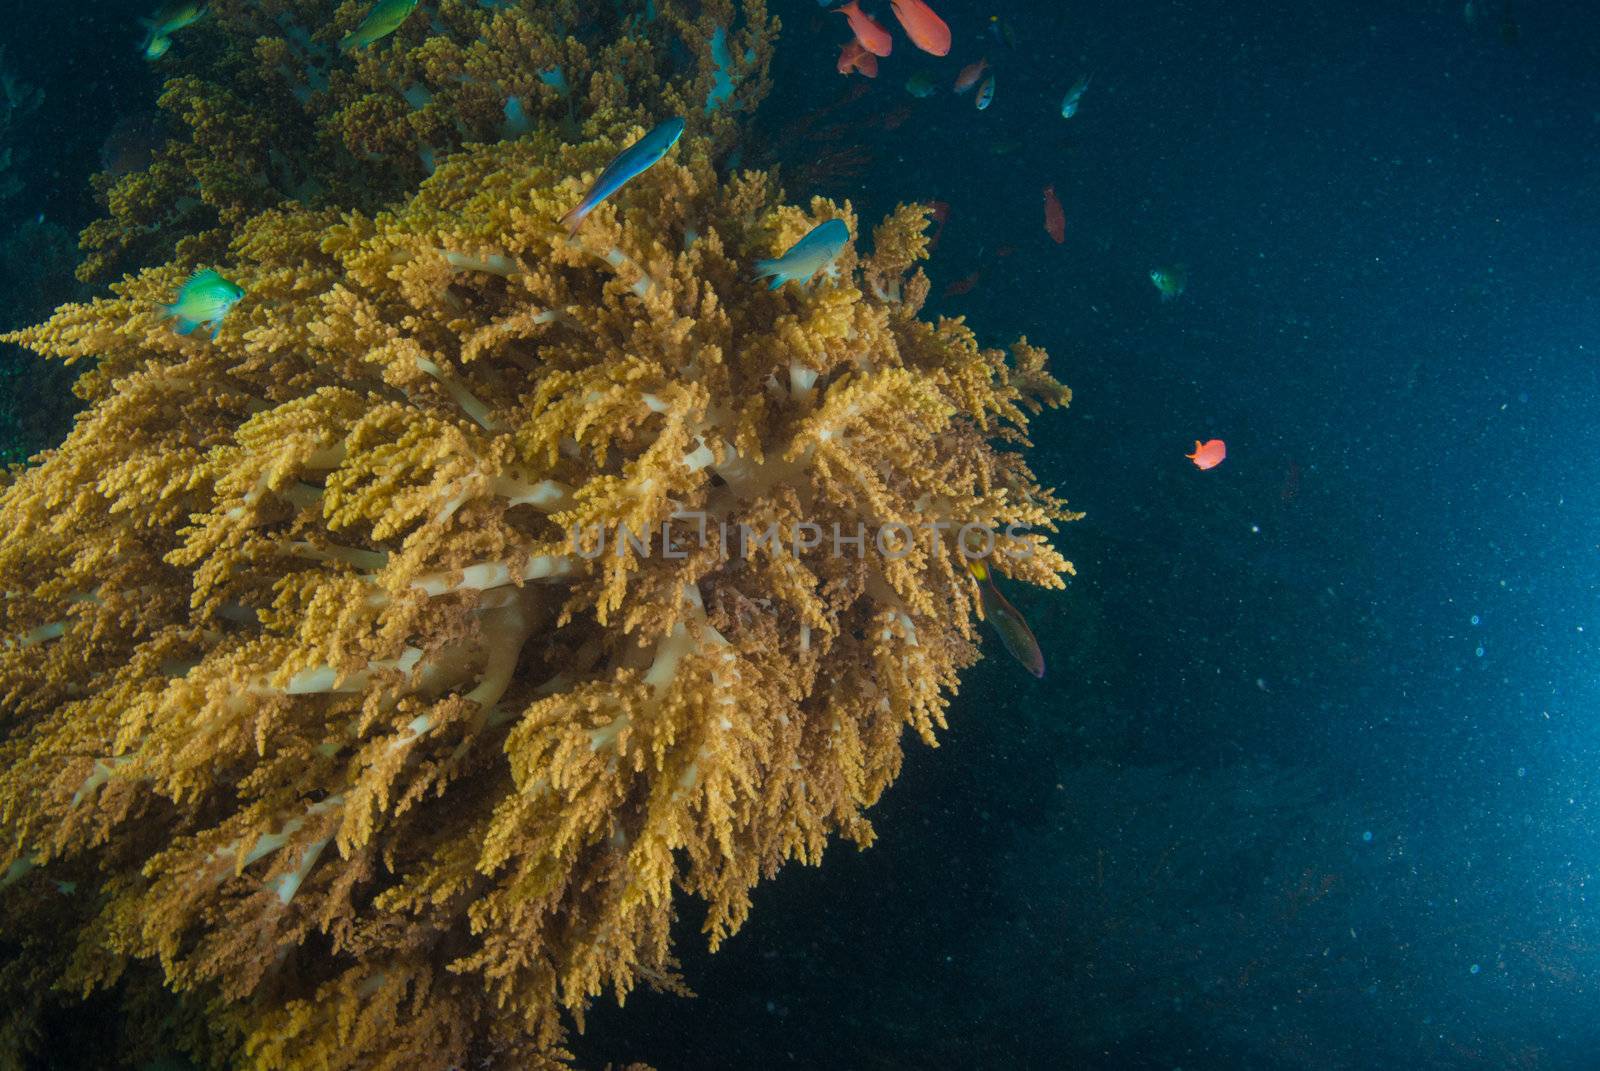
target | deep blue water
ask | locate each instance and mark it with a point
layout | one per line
(1312, 780)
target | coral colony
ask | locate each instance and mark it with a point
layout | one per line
(323, 744)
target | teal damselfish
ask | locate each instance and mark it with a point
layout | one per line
(384, 19)
(811, 254)
(630, 162)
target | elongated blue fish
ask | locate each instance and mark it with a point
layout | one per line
(204, 300)
(384, 19)
(1008, 622)
(1070, 102)
(630, 162)
(806, 257)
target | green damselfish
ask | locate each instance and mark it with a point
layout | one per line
(384, 19)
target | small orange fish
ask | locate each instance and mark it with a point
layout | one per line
(941, 215)
(962, 286)
(873, 37)
(970, 74)
(927, 31)
(1208, 455)
(1055, 221)
(1291, 484)
(895, 118)
(852, 57)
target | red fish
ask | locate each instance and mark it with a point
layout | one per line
(962, 286)
(895, 118)
(1291, 484)
(873, 37)
(970, 74)
(852, 57)
(926, 30)
(1209, 454)
(1055, 222)
(941, 215)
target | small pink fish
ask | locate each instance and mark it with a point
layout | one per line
(963, 285)
(970, 74)
(941, 216)
(873, 37)
(852, 57)
(1209, 454)
(1055, 221)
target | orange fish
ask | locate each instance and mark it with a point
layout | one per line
(1055, 222)
(852, 57)
(970, 74)
(941, 215)
(1208, 455)
(873, 38)
(895, 118)
(962, 286)
(1291, 484)
(926, 30)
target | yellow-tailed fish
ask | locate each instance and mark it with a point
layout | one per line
(811, 254)
(203, 301)
(985, 93)
(168, 20)
(630, 162)
(1007, 621)
(384, 19)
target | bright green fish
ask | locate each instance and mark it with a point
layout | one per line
(1170, 281)
(168, 20)
(1007, 621)
(384, 19)
(204, 300)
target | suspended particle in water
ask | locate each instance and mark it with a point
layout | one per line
(1475, 619)
(1480, 652)
(1366, 837)
(1475, 968)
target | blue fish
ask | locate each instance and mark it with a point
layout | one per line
(808, 256)
(630, 162)
(204, 300)
(1069, 103)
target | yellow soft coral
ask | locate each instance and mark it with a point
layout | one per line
(273, 113)
(307, 672)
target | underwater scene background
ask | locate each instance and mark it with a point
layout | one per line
(1309, 781)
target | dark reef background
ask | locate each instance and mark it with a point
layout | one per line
(1310, 782)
